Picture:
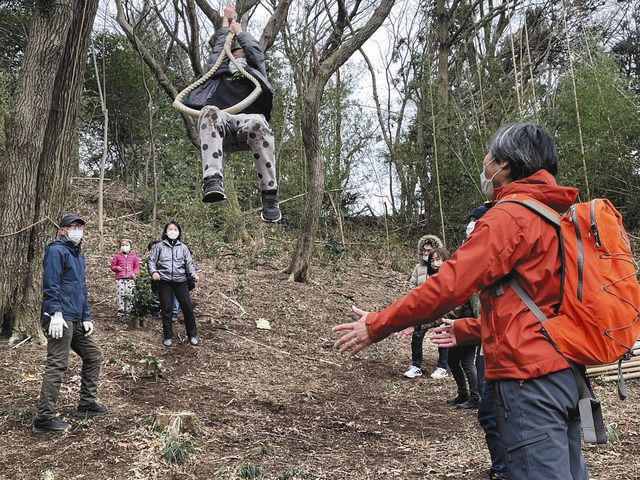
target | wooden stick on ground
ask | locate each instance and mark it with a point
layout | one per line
(244, 312)
(22, 342)
(280, 351)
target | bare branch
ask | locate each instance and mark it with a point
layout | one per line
(154, 66)
(274, 25)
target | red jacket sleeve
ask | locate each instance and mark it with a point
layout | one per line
(467, 331)
(495, 246)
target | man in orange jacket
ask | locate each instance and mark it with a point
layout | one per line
(536, 393)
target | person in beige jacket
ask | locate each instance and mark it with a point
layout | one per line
(420, 273)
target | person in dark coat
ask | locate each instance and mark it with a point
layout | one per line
(247, 130)
(66, 319)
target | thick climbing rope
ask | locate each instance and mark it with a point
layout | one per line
(28, 227)
(238, 107)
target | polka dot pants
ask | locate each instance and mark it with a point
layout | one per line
(124, 287)
(222, 132)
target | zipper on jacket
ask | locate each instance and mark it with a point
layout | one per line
(594, 227)
(574, 220)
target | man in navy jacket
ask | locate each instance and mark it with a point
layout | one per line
(66, 320)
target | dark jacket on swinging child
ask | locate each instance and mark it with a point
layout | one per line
(225, 89)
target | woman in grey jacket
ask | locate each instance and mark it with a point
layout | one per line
(170, 264)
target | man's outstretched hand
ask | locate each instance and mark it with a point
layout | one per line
(356, 338)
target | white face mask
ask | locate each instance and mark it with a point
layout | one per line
(125, 248)
(425, 258)
(75, 236)
(470, 227)
(241, 61)
(172, 234)
(486, 184)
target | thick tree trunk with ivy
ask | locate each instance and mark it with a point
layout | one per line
(40, 131)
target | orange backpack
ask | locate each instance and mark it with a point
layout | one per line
(598, 316)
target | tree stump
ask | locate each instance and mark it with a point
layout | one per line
(175, 424)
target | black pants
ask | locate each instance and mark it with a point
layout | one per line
(167, 290)
(417, 341)
(462, 363)
(57, 360)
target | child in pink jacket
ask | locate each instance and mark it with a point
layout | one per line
(126, 266)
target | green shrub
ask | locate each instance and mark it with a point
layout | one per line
(143, 300)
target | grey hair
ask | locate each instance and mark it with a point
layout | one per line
(527, 148)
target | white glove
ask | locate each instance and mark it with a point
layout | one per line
(56, 325)
(88, 327)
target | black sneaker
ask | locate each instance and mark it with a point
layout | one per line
(51, 425)
(93, 410)
(270, 209)
(458, 400)
(468, 405)
(212, 190)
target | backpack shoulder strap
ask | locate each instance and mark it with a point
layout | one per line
(593, 428)
(535, 206)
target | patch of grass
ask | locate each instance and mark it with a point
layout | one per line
(262, 451)
(249, 471)
(176, 451)
(9, 380)
(223, 473)
(15, 414)
(122, 343)
(297, 474)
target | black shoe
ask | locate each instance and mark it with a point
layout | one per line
(270, 206)
(51, 425)
(458, 400)
(212, 190)
(93, 410)
(468, 405)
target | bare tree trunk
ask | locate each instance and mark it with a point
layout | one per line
(105, 145)
(40, 133)
(315, 191)
(336, 52)
(152, 148)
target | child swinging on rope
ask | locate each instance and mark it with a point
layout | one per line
(247, 130)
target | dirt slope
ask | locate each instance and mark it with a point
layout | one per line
(281, 401)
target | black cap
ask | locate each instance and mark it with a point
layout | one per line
(69, 219)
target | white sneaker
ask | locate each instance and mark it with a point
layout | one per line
(439, 373)
(413, 372)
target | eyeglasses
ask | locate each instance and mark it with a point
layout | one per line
(75, 227)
